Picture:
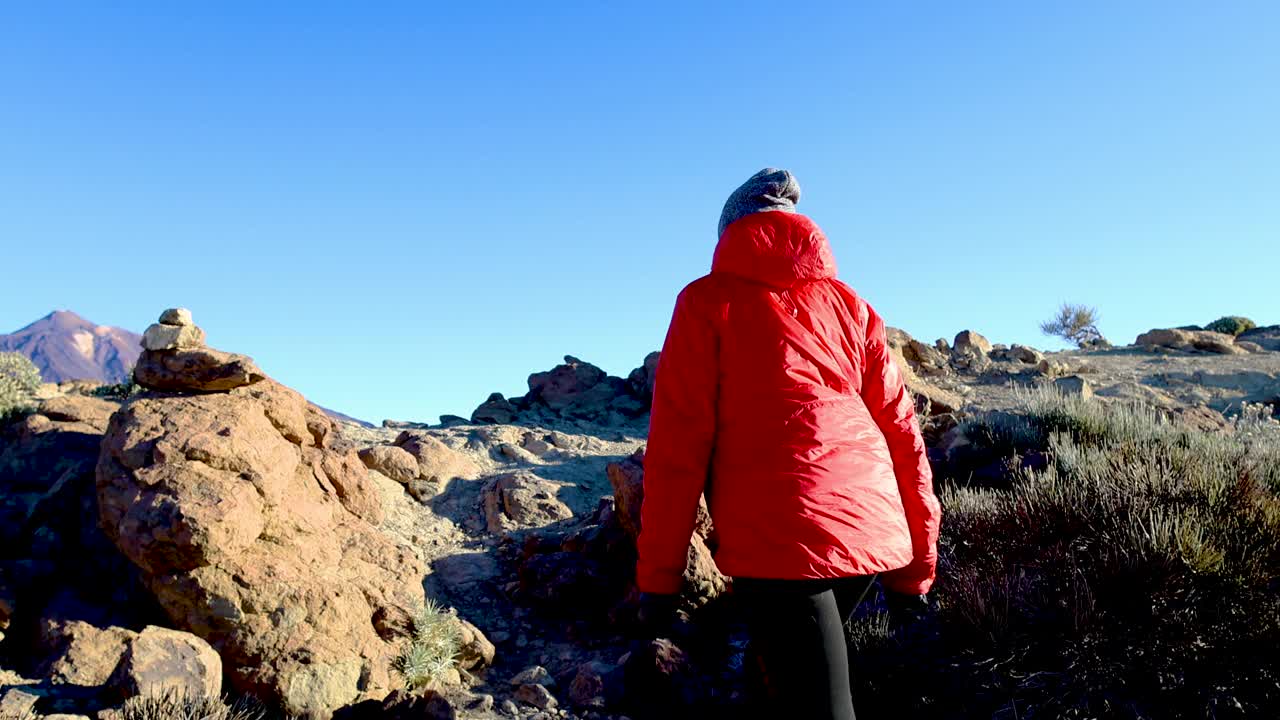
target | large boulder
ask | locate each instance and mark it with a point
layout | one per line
(576, 390)
(77, 653)
(195, 369)
(642, 379)
(497, 409)
(919, 357)
(566, 385)
(436, 461)
(970, 352)
(257, 536)
(1189, 341)
(159, 661)
(702, 580)
(968, 341)
(520, 500)
(394, 462)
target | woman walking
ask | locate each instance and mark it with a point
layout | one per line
(776, 396)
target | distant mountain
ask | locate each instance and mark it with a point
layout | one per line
(65, 346)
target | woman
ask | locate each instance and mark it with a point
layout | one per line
(776, 396)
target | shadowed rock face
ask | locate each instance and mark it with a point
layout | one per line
(255, 535)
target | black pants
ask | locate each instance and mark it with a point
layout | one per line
(798, 640)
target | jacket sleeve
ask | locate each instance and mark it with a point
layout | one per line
(682, 429)
(886, 396)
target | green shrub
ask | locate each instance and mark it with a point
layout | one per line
(19, 381)
(1134, 576)
(118, 391)
(1231, 325)
(178, 706)
(432, 651)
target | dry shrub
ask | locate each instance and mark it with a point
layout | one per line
(1135, 576)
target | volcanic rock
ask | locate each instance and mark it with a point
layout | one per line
(436, 461)
(1074, 385)
(521, 500)
(81, 654)
(394, 462)
(159, 661)
(1189, 341)
(195, 370)
(254, 535)
(497, 409)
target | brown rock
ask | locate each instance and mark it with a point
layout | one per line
(702, 580)
(642, 378)
(477, 652)
(968, 341)
(1189, 340)
(250, 534)
(394, 462)
(159, 661)
(627, 479)
(1074, 385)
(930, 399)
(517, 500)
(588, 686)
(919, 357)
(437, 462)
(564, 385)
(88, 413)
(1202, 418)
(497, 409)
(81, 654)
(195, 370)
(536, 695)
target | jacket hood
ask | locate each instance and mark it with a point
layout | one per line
(780, 249)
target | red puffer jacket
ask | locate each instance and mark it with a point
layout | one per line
(776, 396)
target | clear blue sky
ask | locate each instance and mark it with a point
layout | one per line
(400, 207)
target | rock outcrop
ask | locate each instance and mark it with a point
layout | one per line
(575, 390)
(52, 551)
(914, 357)
(1267, 338)
(1189, 341)
(253, 533)
(969, 352)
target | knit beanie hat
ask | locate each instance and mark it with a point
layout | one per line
(769, 189)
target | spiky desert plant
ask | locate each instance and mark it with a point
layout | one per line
(19, 381)
(1074, 323)
(433, 650)
(1231, 325)
(173, 705)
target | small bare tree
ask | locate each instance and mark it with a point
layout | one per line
(1074, 323)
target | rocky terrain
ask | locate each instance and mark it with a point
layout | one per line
(217, 534)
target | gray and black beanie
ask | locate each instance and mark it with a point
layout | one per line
(769, 189)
